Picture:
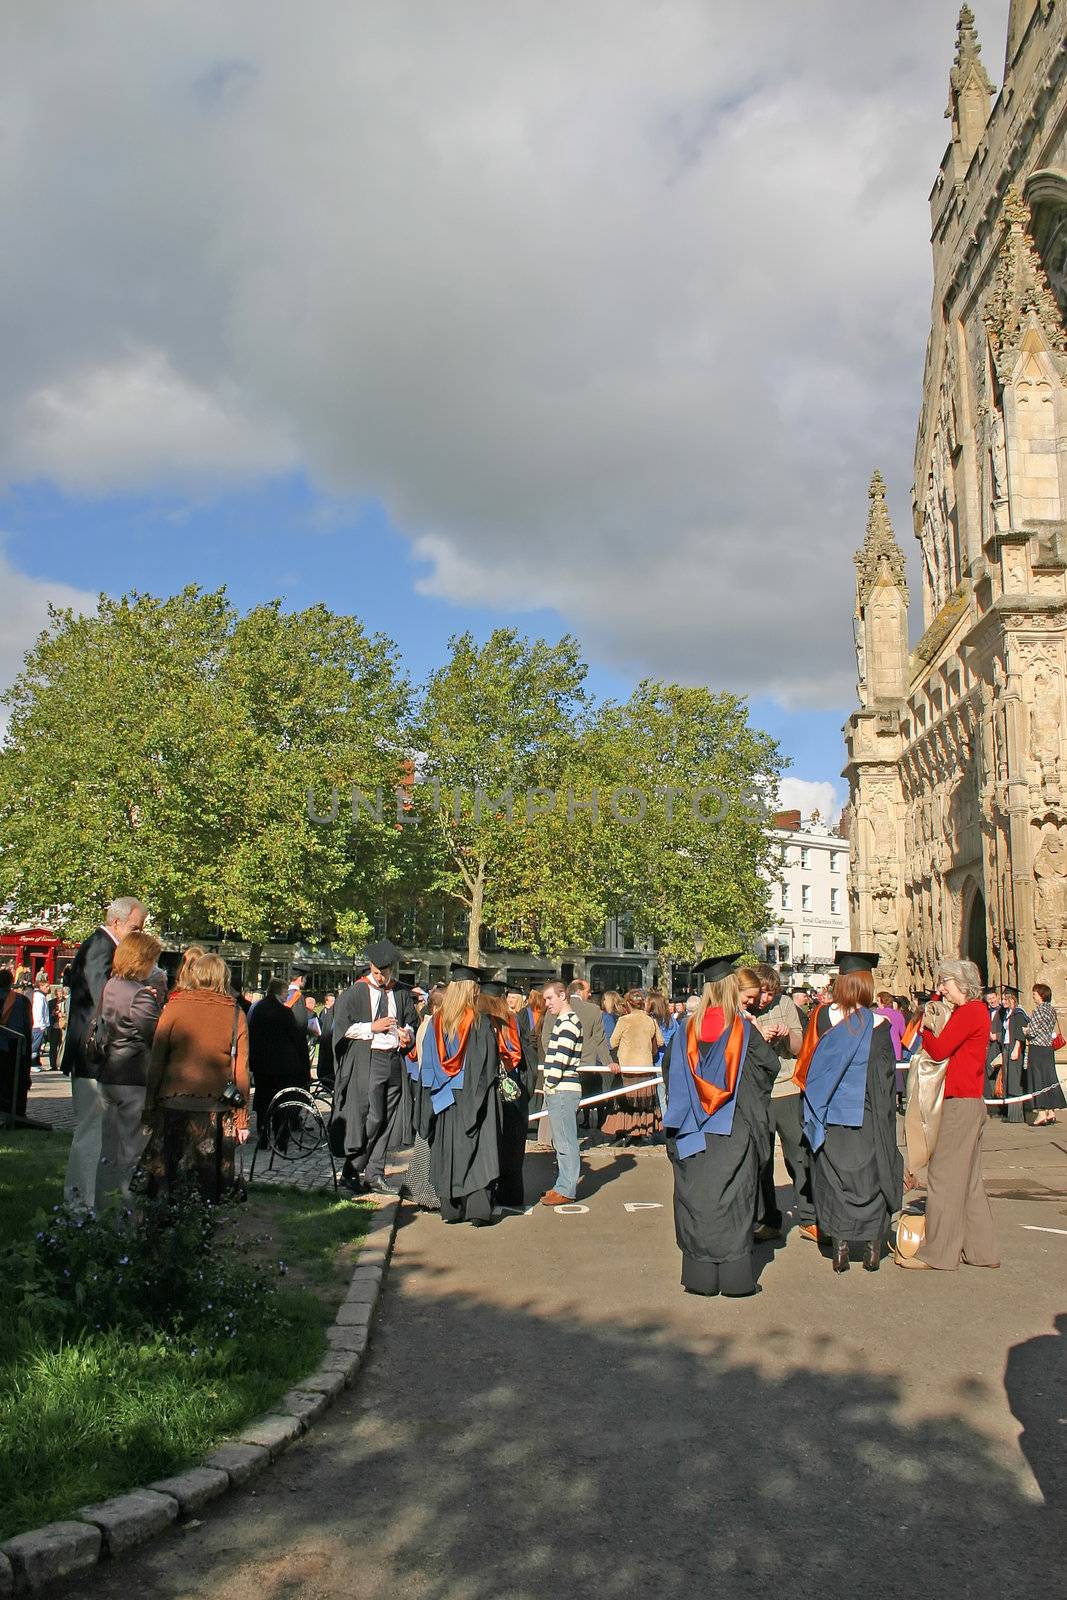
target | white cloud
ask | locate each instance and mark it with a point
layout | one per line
(24, 615)
(642, 290)
(798, 794)
(138, 423)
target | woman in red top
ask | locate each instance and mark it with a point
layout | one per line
(959, 1223)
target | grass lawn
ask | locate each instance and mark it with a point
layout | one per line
(89, 1418)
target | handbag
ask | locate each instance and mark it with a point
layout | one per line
(231, 1098)
(1058, 1040)
(911, 1231)
(98, 1035)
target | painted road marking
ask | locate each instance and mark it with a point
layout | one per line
(1030, 1228)
(642, 1205)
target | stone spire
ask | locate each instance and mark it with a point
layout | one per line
(970, 91)
(880, 624)
(1021, 294)
(880, 555)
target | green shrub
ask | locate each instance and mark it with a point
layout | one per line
(155, 1270)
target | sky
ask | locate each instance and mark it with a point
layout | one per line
(593, 317)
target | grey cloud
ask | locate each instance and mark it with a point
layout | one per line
(645, 284)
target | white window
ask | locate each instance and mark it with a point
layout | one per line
(835, 900)
(805, 856)
(806, 943)
(787, 897)
(835, 860)
(834, 942)
(805, 897)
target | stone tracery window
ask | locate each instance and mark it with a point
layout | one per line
(1046, 194)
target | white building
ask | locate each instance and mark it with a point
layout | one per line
(809, 905)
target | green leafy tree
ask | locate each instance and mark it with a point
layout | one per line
(691, 862)
(499, 737)
(166, 748)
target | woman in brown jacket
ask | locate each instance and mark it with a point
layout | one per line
(635, 1039)
(200, 1048)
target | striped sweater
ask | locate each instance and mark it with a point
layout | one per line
(563, 1054)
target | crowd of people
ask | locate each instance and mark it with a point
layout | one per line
(165, 1071)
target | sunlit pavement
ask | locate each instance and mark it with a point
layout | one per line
(544, 1410)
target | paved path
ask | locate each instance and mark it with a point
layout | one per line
(544, 1413)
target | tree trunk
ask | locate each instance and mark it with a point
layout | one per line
(474, 929)
(255, 955)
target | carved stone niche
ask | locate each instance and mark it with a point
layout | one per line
(1050, 892)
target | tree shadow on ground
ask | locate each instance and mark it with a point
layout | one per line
(492, 1452)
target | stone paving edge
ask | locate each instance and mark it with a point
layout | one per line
(34, 1561)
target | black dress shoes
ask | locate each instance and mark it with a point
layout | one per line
(383, 1186)
(840, 1255)
(872, 1255)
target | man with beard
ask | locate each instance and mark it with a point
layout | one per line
(374, 1026)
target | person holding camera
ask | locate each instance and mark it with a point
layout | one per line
(198, 1085)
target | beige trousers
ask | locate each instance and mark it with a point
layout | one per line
(959, 1223)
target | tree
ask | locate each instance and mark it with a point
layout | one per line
(499, 737)
(692, 862)
(166, 748)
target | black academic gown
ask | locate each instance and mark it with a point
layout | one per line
(324, 1070)
(515, 1122)
(715, 1191)
(464, 1139)
(355, 1069)
(858, 1174)
(277, 1054)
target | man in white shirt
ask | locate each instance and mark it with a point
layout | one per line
(42, 1018)
(374, 1027)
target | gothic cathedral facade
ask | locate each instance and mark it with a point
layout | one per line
(957, 755)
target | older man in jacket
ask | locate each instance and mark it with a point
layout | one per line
(85, 979)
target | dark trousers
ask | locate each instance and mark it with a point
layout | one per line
(383, 1102)
(785, 1114)
(1013, 1082)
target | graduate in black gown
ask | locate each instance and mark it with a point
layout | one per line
(516, 1082)
(719, 1077)
(847, 1070)
(459, 1105)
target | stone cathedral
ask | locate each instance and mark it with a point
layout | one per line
(957, 755)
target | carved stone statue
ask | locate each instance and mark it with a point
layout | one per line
(1050, 893)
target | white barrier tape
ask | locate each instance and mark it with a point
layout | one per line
(595, 1099)
(1017, 1099)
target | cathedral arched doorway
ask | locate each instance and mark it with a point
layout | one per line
(976, 934)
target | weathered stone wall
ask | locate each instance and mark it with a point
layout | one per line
(958, 783)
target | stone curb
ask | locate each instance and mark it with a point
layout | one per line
(36, 1561)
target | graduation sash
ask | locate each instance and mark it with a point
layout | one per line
(807, 1049)
(702, 1082)
(836, 1078)
(507, 1037)
(907, 1042)
(442, 1061)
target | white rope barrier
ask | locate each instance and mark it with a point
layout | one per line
(595, 1099)
(1017, 1099)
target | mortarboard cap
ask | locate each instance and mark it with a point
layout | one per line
(460, 972)
(495, 988)
(716, 968)
(855, 961)
(922, 997)
(382, 954)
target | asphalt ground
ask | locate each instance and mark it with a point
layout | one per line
(545, 1413)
